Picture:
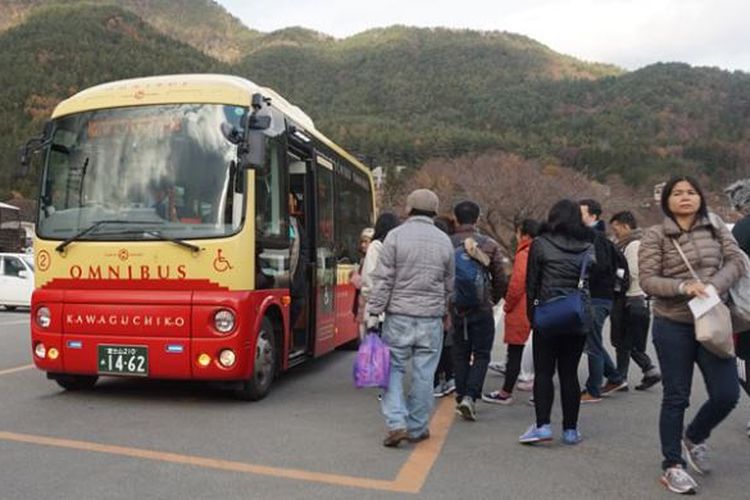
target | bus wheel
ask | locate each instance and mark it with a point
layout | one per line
(264, 367)
(76, 382)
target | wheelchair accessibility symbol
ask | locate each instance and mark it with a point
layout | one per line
(221, 264)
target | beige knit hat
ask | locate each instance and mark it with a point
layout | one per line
(424, 200)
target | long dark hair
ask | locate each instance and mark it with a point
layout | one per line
(565, 219)
(669, 187)
(386, 221)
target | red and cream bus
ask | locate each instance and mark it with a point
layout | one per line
(185, 222)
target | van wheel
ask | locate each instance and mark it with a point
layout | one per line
(76, 382)
(264, 366)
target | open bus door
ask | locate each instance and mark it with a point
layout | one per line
(324, 279)
(313, 298)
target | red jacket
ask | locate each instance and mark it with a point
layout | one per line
(517, 325)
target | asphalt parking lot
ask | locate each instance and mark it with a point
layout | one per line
(315, 436)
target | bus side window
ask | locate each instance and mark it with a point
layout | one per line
(271, 196)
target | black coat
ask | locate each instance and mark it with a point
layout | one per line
(741, 232)
(554, 267)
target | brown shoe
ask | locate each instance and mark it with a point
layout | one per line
(394, 438)
(421, 437)
(611, 387)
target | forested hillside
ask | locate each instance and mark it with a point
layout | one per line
(397, 95)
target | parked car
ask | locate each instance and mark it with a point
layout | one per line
(16, 280)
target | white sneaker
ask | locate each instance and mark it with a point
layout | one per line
(497, 367)
(677, 480)
(449, 386)
(526, 386)
(697, 456)
(467, 409)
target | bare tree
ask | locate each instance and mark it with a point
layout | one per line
(506, 186)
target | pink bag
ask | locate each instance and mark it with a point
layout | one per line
(372, 366)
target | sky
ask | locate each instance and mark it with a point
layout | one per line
(628, 33)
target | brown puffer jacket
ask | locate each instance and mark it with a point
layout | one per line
(717, 260)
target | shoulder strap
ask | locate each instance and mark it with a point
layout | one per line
(584, 266)
(687, 262)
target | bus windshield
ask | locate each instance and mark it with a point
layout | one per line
(165, 165)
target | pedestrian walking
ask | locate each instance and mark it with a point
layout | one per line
(739, 196)
(480, 284)
(445, 381)
(714, 255)
(358, 308)
(412, 284)
(383, 225)
(517, 325)
(558, 264)
(630, 329)
(610, 266)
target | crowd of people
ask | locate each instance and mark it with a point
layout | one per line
(429, 285)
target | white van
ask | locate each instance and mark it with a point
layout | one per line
(16, 280)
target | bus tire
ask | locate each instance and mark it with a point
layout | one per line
(264, 368)
(76, 382)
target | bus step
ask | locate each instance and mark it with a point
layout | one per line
(297, 357)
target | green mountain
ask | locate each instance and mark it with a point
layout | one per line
(203, 24)
(397, 95)
(63, 49)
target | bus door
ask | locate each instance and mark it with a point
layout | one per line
(301, 256)
(324, 278)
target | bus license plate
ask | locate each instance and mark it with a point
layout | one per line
(123, 360)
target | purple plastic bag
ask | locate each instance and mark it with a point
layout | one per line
(372, 366)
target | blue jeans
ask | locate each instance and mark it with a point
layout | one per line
(416, 341)
(678, 351)
(474, 334)
(600, 363)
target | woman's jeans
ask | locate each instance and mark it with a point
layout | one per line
(678, 351)
(416, 341)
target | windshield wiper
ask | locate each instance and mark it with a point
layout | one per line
(96, 225)
(160, 236)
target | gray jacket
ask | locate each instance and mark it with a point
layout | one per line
(415, 270)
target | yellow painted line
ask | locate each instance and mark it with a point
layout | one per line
(414, 472)
(410, 479)
(14, 370)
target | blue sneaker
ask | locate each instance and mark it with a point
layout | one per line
(571, 436)
(536, 434)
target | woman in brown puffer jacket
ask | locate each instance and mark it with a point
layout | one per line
(716, 258)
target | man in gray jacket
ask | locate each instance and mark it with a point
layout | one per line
(412, 284)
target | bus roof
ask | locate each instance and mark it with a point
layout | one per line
(189, 88)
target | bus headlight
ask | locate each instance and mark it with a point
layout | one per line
(43, 317)
(40, 351)
(224, 321)
(227, 358)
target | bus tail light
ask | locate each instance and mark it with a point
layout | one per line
(40, 351)
(53, 353)
(227, 358)
(224, 321)
(43, 317)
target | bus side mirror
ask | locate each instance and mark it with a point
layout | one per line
(32, 146)
(254, 150)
